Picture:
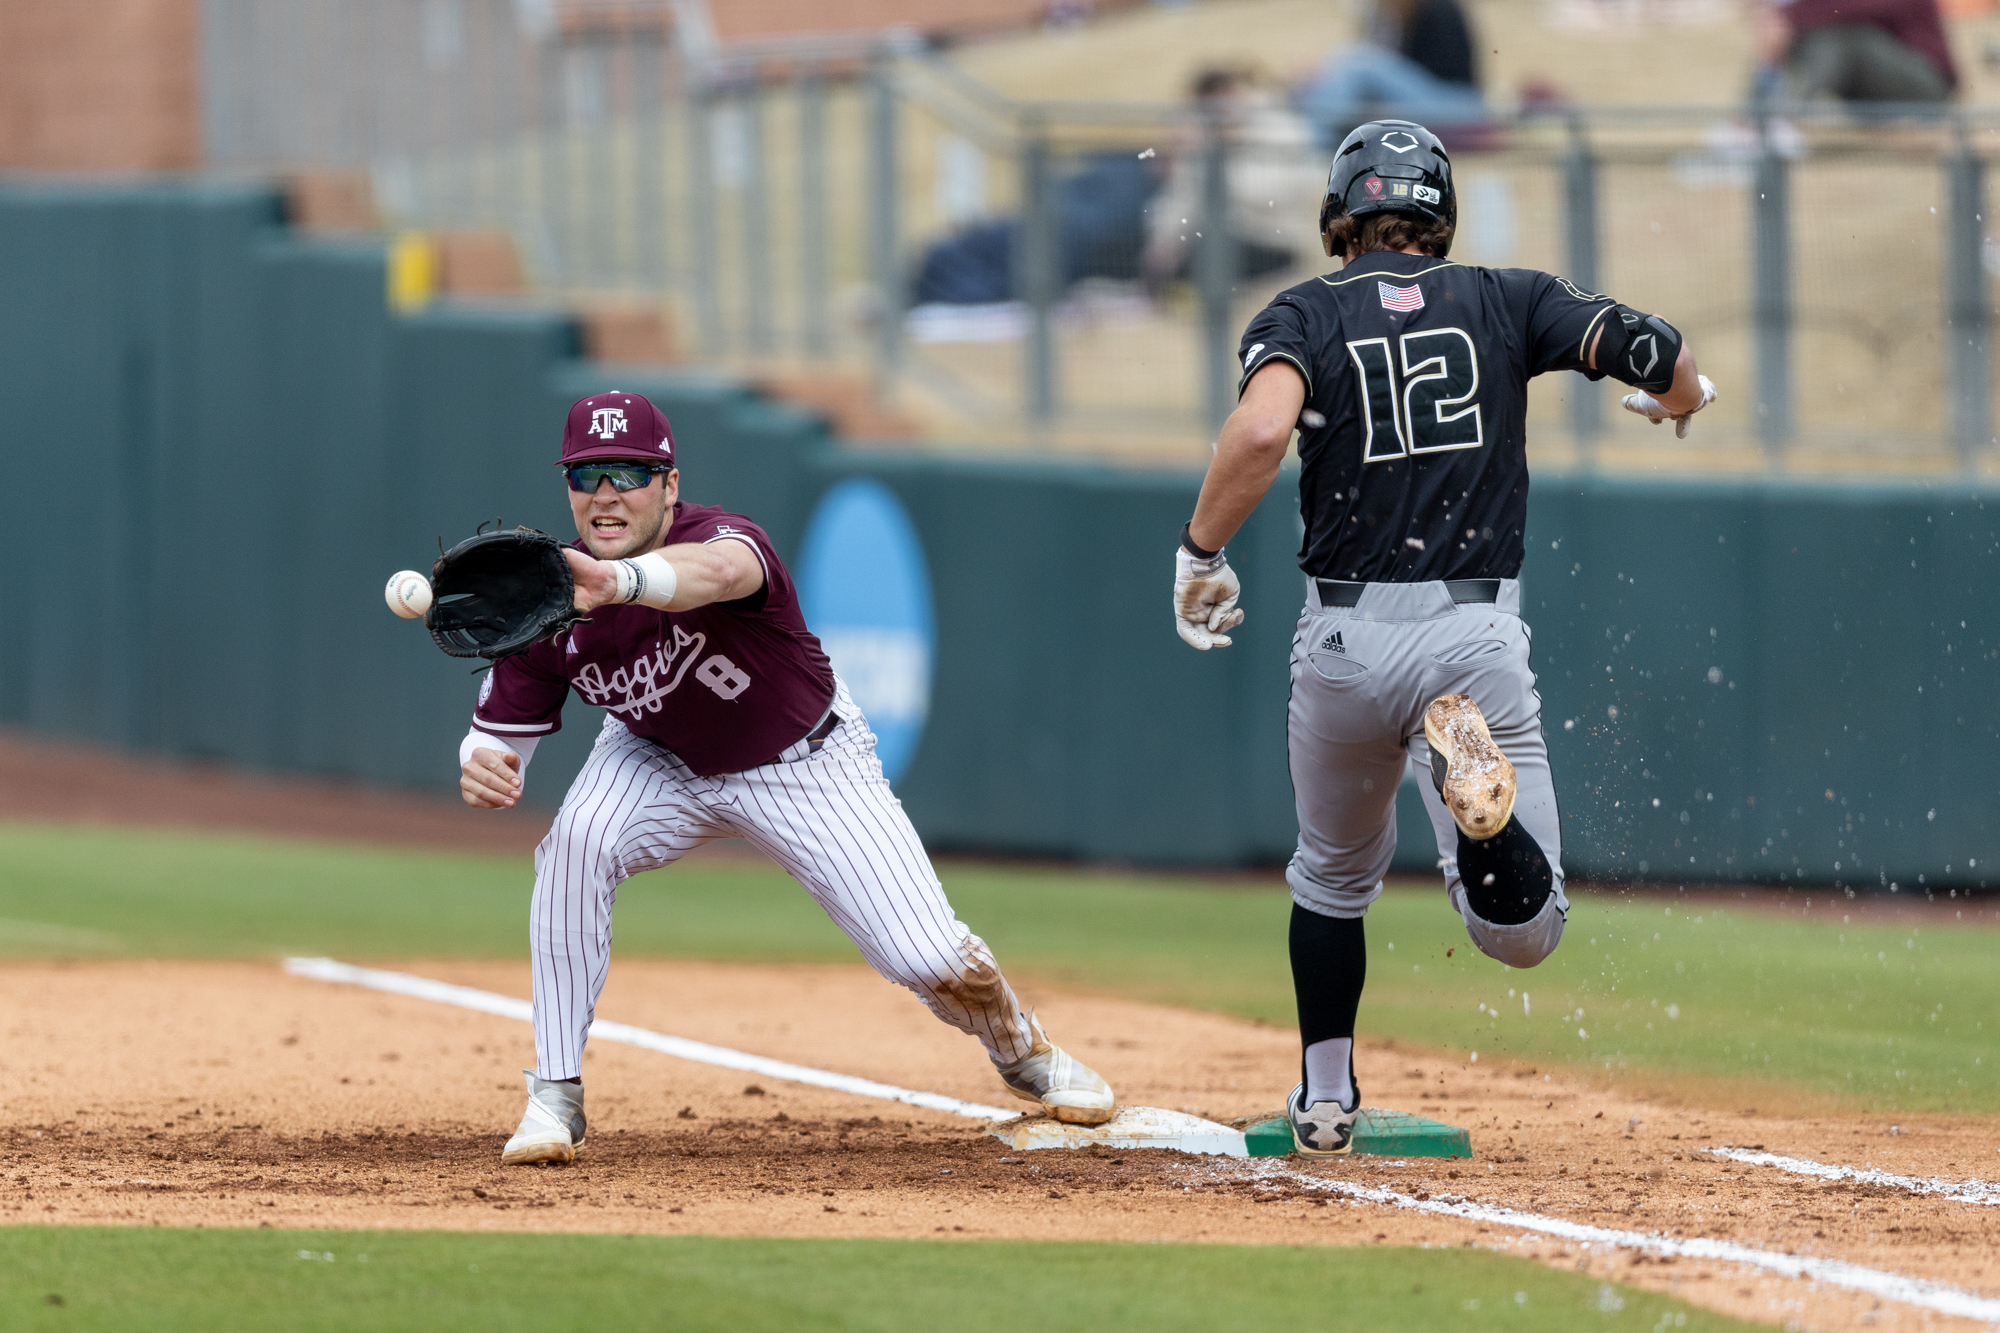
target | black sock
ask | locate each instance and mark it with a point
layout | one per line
(1507, 879)
(1329, 967)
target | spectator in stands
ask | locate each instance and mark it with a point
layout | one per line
(1854, 51)
(1273, 177)
(1418, 62)
(1100, 230)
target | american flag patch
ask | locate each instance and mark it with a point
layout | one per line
(1401, 298)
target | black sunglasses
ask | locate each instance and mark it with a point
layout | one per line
(624, 476)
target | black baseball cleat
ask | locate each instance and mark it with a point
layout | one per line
(1324, 1129)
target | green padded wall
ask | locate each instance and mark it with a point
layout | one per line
(220, 442)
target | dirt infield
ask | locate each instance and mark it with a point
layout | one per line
(231, 1094)
(240, 1096)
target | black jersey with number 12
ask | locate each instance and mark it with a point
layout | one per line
(1413, 446)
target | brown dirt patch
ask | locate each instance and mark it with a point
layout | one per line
(229, 1094)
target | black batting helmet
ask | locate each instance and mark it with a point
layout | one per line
(1389, 166)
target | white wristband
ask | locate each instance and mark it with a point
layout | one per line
(648, 580)
(483, 740)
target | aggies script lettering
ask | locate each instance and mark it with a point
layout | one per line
(746, 678)
(632, 690)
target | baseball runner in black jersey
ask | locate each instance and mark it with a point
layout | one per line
(1406, 378)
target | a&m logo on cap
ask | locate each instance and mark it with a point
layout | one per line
(606, 422)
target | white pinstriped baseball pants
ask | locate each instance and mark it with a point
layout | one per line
(828, 818)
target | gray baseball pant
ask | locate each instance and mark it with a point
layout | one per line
(1361, 679)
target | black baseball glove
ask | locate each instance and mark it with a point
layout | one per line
(499, 593)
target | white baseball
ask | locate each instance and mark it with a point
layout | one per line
(408, 594)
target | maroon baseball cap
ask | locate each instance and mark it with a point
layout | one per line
(617, 425)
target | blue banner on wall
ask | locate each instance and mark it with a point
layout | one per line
(867, 594)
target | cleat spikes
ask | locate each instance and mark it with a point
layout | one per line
(1467, 768)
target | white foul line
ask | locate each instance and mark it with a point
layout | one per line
(506, 1006)
(1836, 1272)
(1959, 1191)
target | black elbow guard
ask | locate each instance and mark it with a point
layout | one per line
(1637, 349)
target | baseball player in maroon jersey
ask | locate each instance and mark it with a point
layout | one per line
(723, 719)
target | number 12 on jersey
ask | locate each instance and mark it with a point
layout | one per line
(1431, 407)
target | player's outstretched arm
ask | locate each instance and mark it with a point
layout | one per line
(1247, 455)
(673, 578)
(491, 779)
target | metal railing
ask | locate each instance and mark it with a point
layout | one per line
(1008, 272)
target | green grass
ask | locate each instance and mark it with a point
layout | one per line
(1886, 1016)
(1881, 1015)
(201, 1280)
(65, 892)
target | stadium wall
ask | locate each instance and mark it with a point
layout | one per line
(221, 441)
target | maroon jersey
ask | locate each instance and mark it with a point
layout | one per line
(726, 686)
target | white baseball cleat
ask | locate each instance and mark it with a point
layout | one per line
(552, 1128)
(1467, 768)
(1324, 1129)
(1068, 1089)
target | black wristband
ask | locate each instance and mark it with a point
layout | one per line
(1187, 544)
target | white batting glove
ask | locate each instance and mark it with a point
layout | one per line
(1205, 593)
(1649, 407)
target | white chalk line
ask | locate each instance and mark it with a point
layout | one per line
(506, 1006)
(1959, 1191)
(1835, 1272)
